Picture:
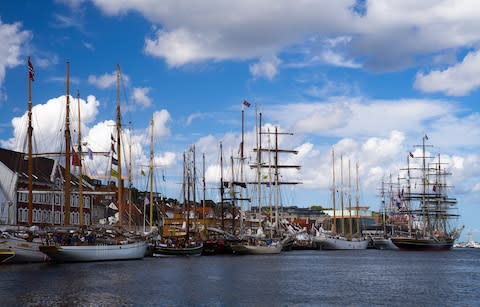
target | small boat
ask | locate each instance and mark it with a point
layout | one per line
(6, 254)
(24, 250)
(102, 252)
(379, 242)
(255, 246)
(330, 242)
(163, 250)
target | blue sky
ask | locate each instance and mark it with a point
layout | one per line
(369, 78)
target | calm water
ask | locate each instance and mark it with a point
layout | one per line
(297, 278)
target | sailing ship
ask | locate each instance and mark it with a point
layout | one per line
(120, 248)
(428, 208)
(21, 244)
(274, 238)
(188, 244)
(341, 241)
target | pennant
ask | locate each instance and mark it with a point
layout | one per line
(142, 172)
(114, 161)
(114, 173)
(411, 155)
(31, 71)
(75, 159)
(426, 137)
(246, 104)
(90, 153)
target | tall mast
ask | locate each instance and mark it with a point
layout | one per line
(221, 184)
(130, 184)
(79, 155)
(66, 220)
(334, 191)
(357, 198)
(151, 175)
(187, 199)
(350, 230)
(119, 153)
(204, 189)
(29, 136)
(341, 194)
(194, 179)
(232, 195)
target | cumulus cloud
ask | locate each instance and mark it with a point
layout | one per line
(48, 121)
(140, 96)
(107, 80)
(457, 80)
(213, 30)
(13, 39)
(266, 68)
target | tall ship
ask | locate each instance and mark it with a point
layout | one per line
(427, 213)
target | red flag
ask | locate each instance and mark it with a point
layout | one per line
(75, 159)
(31, 71)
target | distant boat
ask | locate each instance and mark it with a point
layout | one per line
(257, 247)
(333, 240)
(428, 208)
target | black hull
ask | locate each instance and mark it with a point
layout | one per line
(423, 244)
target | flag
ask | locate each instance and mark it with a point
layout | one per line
(114, 173)
(113, 148)
(75, 159)
(114, 161)
(411, 155)
(246, 104)
(31, 71)
(90, 153)
(142, 172)
(426, 137)
(112, 138)
(434, 188)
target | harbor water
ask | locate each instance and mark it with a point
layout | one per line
(296, 278)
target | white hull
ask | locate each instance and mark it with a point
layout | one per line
(383, 243)
(24, 250)
(256, 249)
(83, 253)
(337, 243)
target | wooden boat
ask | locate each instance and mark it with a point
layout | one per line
(24, 250)
(331, 242)
(429, 208)
(163, 250)
(103, 252)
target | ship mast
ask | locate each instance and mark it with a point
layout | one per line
(151, 176)
(334, 224)
(79, 155)
(68, 178)
(119, 154)
(29, 136)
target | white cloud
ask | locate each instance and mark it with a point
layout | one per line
(107, 80)
(48, 121)
(13, 39)
(266, 68)
(140, 96)
(457, 80)
(161, 120)
(213, 30)
(192, 117)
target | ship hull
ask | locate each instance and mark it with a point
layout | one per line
(23, 251)
(178, 251)
(339, 243)
(246, 249)
(87, 253)
(423, 244)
